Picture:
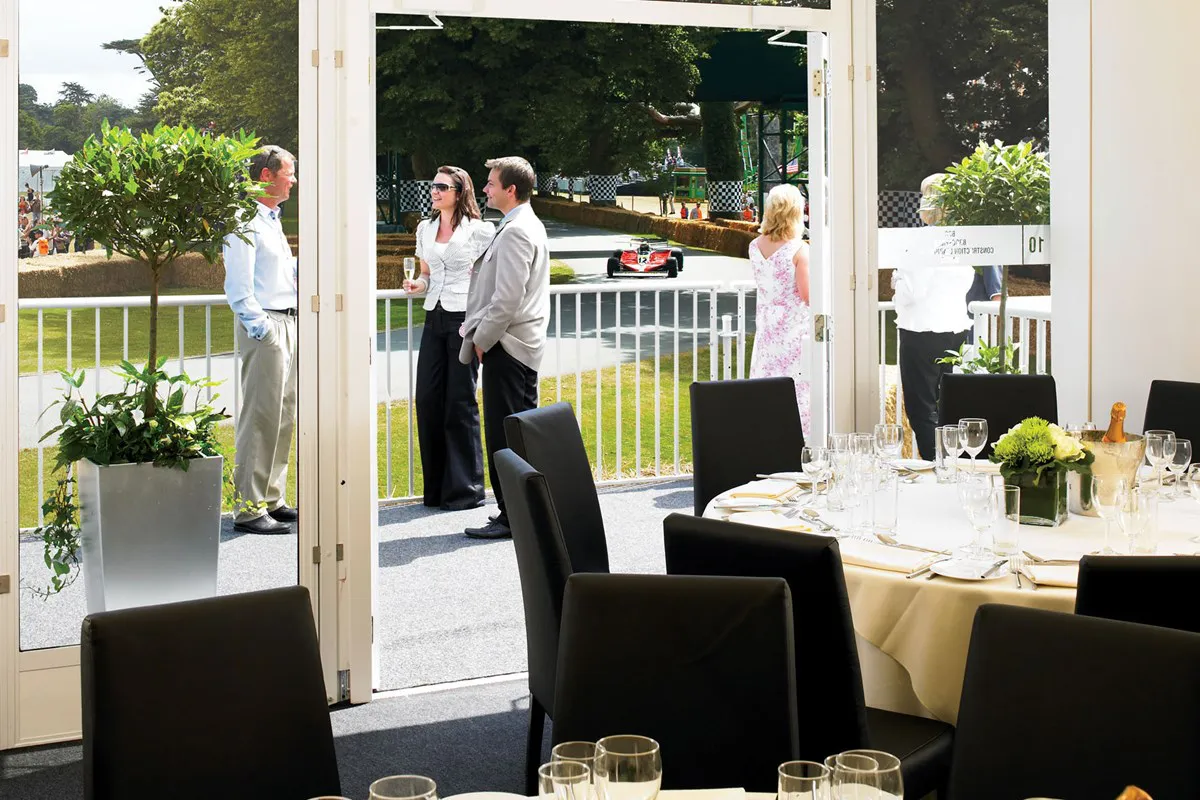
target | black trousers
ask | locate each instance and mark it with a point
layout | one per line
(448, 416)
(508, 387)
(920, 378)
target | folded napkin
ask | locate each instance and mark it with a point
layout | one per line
(1054, 553)
(769, 488)
(769, 519)
(882, 556)
(981, 465)
(703, 794)
(1066, 575)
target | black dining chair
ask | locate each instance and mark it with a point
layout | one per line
(1174, 406)
(740, 429)
(828, 676)
(1003, 400)
(548, 438)
(1152, 590)
(1061, 705)
(702, 665)
(221, 697)
(544, 564)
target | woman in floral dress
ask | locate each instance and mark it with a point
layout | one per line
(782, 320)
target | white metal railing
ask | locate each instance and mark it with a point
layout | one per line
(594, 329)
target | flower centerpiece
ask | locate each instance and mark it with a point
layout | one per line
(1036, 455)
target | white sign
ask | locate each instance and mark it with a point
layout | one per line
(964, 246)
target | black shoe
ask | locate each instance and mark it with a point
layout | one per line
(262, 525)
(495, 529)
(464, 505)
(284, 514)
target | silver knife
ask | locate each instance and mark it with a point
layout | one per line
(994, 567)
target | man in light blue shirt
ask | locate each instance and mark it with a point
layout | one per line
(260, 285)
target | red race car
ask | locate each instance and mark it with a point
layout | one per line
(644, 256)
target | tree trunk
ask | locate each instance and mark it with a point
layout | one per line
(152, 356)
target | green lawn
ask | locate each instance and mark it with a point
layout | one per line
(630, 465)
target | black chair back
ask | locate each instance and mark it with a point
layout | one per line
(1003, 400)
(702, 665)
(222, 697)
(740, 429)
(828, 675)
(1174, 406)
(548, 438)
(1059, 705)
(1152, 590)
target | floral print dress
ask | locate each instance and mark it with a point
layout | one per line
(782, 321)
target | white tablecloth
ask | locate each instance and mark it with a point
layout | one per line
(913, 634)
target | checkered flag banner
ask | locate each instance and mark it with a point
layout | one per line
(547, 183)
(603, 189)
(413, 196)
(899, 209)
(725, 196)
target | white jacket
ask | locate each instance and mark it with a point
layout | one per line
(933, 299)
(450, 268)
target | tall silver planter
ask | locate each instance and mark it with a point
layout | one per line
(150, 534)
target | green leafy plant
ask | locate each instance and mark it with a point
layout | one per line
(152, 197)
(997, 185)
(982, 358)
(1035, 446)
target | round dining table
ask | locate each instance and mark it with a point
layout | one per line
(913, 633)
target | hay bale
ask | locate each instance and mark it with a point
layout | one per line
(908, 443)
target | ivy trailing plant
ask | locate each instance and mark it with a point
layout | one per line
(997, 185)
(152, 197)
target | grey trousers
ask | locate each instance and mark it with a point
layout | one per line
(267, 417)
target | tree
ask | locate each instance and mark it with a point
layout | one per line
(722, 159)
(74, 94)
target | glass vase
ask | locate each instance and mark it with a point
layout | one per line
(1043, 503)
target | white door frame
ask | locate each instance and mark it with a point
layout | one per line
(851, 163)
(39, 689)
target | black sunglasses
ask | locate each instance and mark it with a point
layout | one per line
(443, 187)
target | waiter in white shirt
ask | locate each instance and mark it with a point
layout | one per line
(931, 318)
(260, 285)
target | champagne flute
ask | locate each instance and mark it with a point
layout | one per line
(1160, 447)
(410, 268)
(887, 441)
(628, 768)
(1109, 495)
(803, 780)
(403, 787)
(1193, 481)
(815, 463)
(973, 436)
(1180, 460)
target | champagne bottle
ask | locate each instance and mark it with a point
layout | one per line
(1116, 425)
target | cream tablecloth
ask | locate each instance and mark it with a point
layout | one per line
(913, 634)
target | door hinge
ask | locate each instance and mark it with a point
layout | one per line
(316, 58)
(822, 330)
(3, 48)
(338, 57)
(316, 554)
(316, 304)
(818, 83)
(3, 311)
(341, 552)
(6, 587)
(343, 685)
(853, 281)
(337, 302)
(850, 70)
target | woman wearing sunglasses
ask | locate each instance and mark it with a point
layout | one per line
(448, 243)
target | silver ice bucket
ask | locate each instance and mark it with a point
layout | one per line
(1112, 458)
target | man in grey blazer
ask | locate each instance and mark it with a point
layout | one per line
(508, 309)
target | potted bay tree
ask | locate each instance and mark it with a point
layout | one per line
(138, 497)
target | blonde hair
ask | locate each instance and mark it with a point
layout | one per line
(783, 213)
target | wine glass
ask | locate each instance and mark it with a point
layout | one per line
(815, 463)
(579, 752)
(887, 441)
(1160, 448)
(972, 436)
(978, 498)
(1193, 481)
(866, 775)
(1180, 460)
(628, 768)
(1109, 495)
(403, 787)
(838, 442)
(564, 780)
(862, 444)
(803, 780)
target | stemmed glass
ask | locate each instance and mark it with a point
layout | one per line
(803, 780)
(972, 436)
(1180, 460)
(865, 775)
(887, 441)
(979, 500)
(1160, 448)
(580, 753)
(1110, 493)
(1193, 481)
(815, 463)
(403, 787)
(628, 768)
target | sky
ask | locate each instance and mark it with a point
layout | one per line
(60, 41)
